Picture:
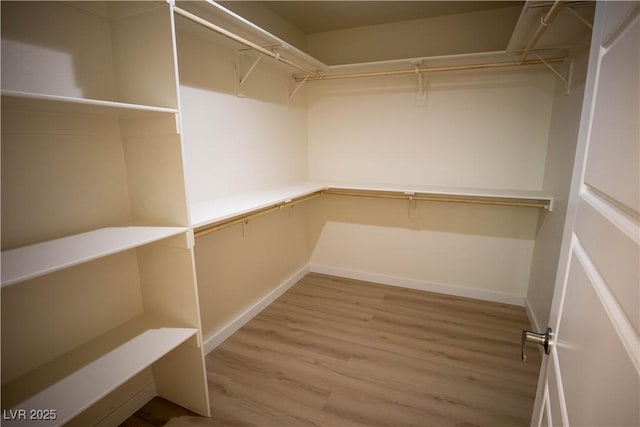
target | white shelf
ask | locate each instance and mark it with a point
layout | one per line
(56, 103)
(444, 191)
(216, 13)
(39, 259)
(75, 381)
(225, 208)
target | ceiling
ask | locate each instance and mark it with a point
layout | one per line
(319, 16)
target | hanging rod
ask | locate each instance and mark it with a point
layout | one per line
(413, 71)
(479, 200)
(210, 228)
(544, 23)
(241, 40)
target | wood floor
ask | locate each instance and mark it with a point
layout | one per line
(339, 352)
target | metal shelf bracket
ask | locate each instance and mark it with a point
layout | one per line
(240, 78)
(567, 80)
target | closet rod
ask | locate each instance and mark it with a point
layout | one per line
(544, 23)
(413, 71)
(436, 198)
(241, 40)
(207, 229)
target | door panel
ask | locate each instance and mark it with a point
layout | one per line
(598, 234)
(555, 411)
(612, 165)
(592, 374)
(593, 361)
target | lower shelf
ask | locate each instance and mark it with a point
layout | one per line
(53, 394)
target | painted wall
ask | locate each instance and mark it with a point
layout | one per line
(234, 144)
(478, 251)
(238, 266)
(480, 129)
(563, 136)
(444, 35)
(483, 129)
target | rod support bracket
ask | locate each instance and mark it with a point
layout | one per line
(421, 93)
(241, 78)
(567, 79)
(295, 86)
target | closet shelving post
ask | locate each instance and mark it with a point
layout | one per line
(99, 301)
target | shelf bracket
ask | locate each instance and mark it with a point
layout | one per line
(296, 87)
(242, 79)
(566, 80)
(578, 17)
(413, 205)
(421, 96)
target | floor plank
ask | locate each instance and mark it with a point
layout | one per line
(338, 352)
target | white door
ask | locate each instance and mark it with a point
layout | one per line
(591, 377)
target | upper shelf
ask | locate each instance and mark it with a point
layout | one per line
(39, 259)
(220, 16)
(28, 101)
(570, 27)
(208, 17)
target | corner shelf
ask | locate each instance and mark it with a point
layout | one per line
(76, 380)
(39, 259)
(225, 208)
(210, 216)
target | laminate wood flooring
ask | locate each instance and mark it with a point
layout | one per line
(339, 352)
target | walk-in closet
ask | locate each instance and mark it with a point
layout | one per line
(173, 170)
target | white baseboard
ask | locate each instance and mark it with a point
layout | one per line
(421, 285)
(218, 337)
(131, 406)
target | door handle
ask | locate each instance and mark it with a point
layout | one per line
(543, 339)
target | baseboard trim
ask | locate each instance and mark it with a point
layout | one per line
(422, 285)
(130, 407)
(219, 336)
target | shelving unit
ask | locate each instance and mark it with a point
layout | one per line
(99, 299)
(73, 382)
(219, 213)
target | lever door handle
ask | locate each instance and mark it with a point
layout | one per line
(543, 339)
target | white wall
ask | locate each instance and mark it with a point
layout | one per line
(443, 35)
(237, 267)
(234, 144)
(563, 136)
(483, 129)
(231, 143)
(478, 129)
(478, 251)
